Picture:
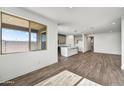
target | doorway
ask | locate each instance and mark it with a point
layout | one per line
(92, 44)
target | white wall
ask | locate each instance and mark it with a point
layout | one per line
(70, 40)
(122, 43)
(108, 43)
(14, 65)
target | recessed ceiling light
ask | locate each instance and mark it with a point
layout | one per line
(113, 23)
(70, 7)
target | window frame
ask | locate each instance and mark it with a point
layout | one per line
(29, 44)
(46, 39)
(40, 35)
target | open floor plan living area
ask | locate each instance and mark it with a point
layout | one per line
(61, 46)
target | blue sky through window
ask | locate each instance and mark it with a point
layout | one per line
(33, 37)
(16, 35)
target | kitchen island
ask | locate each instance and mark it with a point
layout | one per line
(67, 51)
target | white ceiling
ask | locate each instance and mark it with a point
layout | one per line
(78, 20)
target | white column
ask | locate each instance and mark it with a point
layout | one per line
(122, 43)
(83, 37)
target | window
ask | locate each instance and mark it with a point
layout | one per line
(38, 36)
(43, 40)
(14, 40)
(33, 43)
(15, 34)
(20, 35)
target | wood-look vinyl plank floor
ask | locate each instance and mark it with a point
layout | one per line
(100, 68)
